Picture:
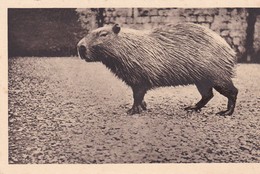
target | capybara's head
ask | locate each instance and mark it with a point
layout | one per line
(97, 43)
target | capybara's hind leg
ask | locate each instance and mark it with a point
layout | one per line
(139, 103)
(229, 91)
(205, 89)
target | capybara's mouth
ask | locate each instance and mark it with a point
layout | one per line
(82, 53)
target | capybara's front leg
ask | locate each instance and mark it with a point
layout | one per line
(139, 103)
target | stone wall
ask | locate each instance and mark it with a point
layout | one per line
(55, 32)
(256, 43)
(230, 23)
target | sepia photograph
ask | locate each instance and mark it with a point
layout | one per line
(135, 85)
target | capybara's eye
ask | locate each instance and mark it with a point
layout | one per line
(103, 34)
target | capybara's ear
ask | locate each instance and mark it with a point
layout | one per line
(116, 28)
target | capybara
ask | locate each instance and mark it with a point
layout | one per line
(171, 55)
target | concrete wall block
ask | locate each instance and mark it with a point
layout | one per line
(108, 13)
(112, 20)
(209, 19)
(146, 19)
(226, 18)
(129, 12)
(153, 12)
(106, 20)
(244, 24)
(205, 11)
(234, 33)
(114, 13)
(181, 19)
(217, 24)
(143, 20)
(224, 25)
(126, 11)
(156, 19)
(224, 33)
(210, 12)
(167, 19)
(256, 43)
(234, 12)
(120, 20)
(201, 19)
(191, 18)
(174, 12)
(222, 12)
(129, 20)
(138, 20)
(172, 19)
(198, 11)
(163, 12)
(241, 49)
(181, 11)
(236, 41)
(189, 11)
(143, 11)
(242, 13)
(164, 19)
(119, 12)
(122, 12)
(110, 9)
(136, 12)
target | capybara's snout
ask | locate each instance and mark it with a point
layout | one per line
(82, 51)
(81, 48)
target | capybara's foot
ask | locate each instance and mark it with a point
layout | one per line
(135, 110)
(144, 105)
(227, 112)
(192, 108)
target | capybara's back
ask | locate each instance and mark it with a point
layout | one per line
(191, 53)
(171, 55)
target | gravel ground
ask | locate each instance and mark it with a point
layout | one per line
(64, 110)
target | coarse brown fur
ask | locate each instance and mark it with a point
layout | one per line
(171, 55)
